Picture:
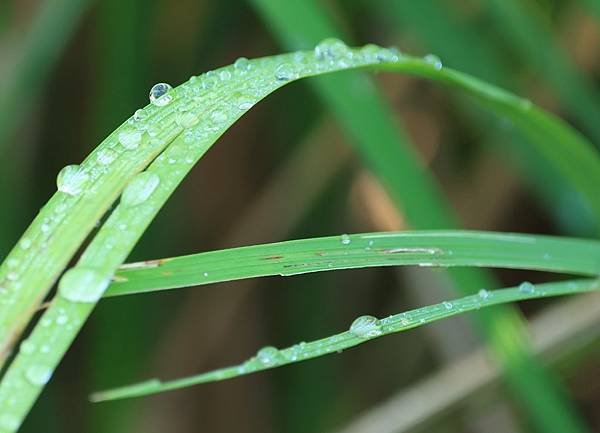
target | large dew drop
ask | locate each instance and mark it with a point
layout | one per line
(366, 327)
(242, 64)
(331, 49)
(526, 287)
(140, 188)
(159, 94)
(434, 61)
(71, 179)
(267, 355)
(82, 284)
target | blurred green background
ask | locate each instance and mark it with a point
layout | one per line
(72, 70)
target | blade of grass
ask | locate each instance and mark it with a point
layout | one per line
(529, 36)
(436, 25)
(44, 250)
(345, 340)
(424, 248)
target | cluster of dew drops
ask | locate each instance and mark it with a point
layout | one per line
(85, 284)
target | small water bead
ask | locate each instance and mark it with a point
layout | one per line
(218, 116)
(106, 156)
(366, 327)
(130, 138)
(154, 130)
(187, 119)
(380, 54)
(345, 239)
(267, 355)
(526, 287)
(447, 305)
(82, 284)
(331, 49)
(224, 75)
(242, 64)
(433, 60)
(139, 115)
(245, 105)
(38, 374)
(285, 72)
(140, 188)
(483, 294)
(27, 347)
(62, 319)
(25, 243)
(209, 79)
(71, 179)
(296, 350)
(160, 94)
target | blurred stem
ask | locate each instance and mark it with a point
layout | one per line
(49, 34)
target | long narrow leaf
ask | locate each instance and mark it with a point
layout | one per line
(365, 328)
(425, 248)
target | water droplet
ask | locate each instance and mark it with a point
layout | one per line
(71, 179)
(27, 347)
(372, 52)
(245, 105)
(296, 350)
(242, 64)
(526, 287)
(224, 75)
(38, 374)
(285, 72)
(62, 319)
(448, 305)
(9, 422)
(267, 355)
(140, 188)
(159, 94)
(209, 79)
(331, 49)
(218, 116)
(25, 243)
(106, 156)
(130, 138)
(366, 327)
(205, 274)
(139, 115)
(483, 294)
(187, 119)
(345, 239)
(433, 60)
(82, 284)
